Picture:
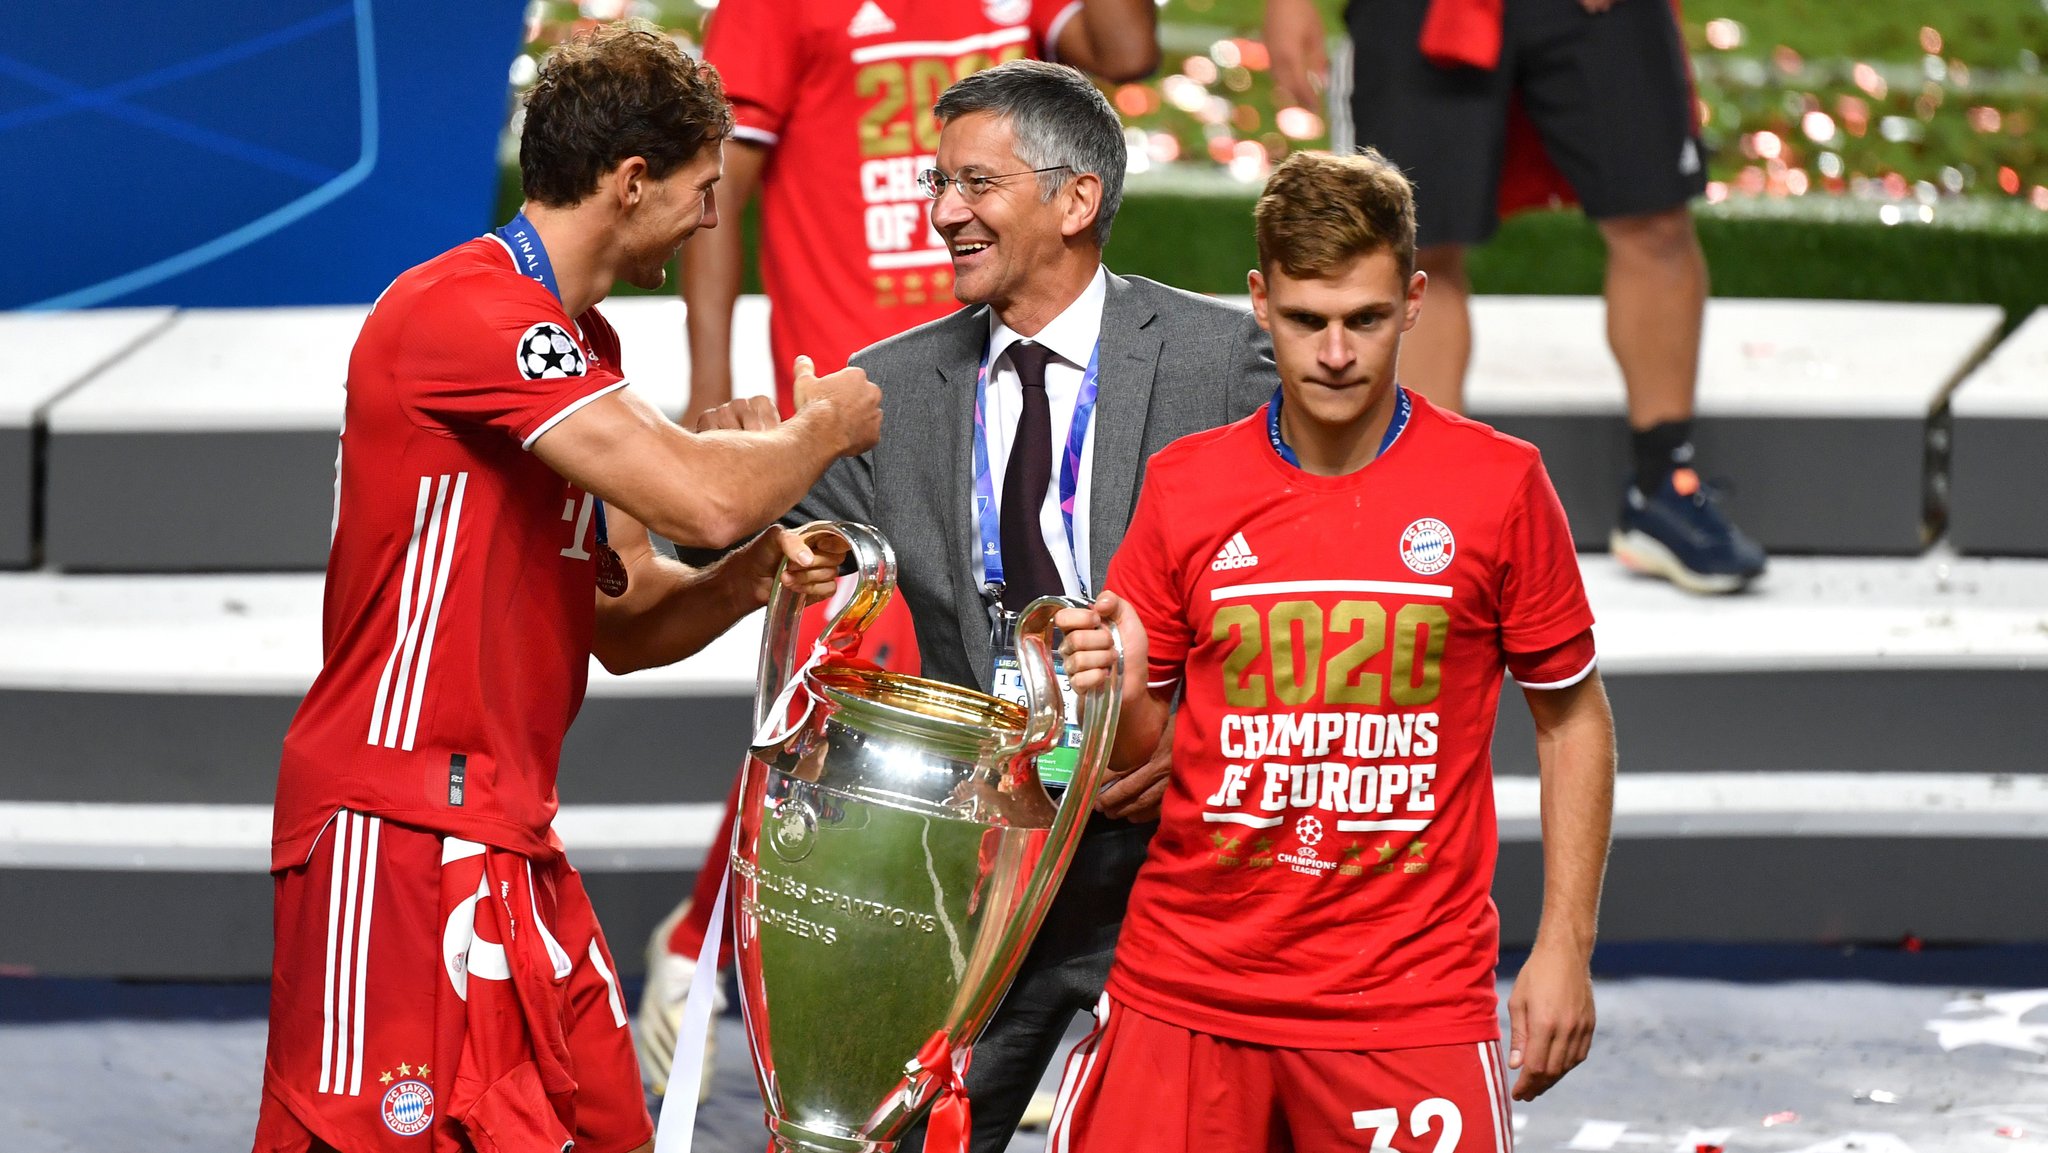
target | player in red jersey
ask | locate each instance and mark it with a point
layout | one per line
(833, 100)
(440, 981)
(1333, 588)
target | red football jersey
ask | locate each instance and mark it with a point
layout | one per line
(460, 583)
(1321, 875)
(842, 92)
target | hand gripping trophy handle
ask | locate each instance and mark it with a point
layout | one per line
(874, 571)
(894, 857)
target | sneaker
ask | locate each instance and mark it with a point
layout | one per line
(1678, 533)
(661, 1010)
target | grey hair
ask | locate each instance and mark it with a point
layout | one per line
(1059, 117)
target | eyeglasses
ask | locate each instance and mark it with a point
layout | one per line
(972, 185)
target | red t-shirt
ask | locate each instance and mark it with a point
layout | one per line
(842, 92)
(459, 605)
(1321, 874)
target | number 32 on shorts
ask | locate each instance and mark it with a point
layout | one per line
(1423, 1118)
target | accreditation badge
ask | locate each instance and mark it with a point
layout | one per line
(1056, 765)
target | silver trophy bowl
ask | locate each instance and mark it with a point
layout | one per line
(894, 857)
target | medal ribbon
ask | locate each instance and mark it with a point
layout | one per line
(1402, 409)
(988, 513)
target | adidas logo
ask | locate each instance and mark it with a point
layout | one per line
(1236, 553)
(870, 21)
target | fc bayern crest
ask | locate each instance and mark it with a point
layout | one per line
(546, 352)
(409, 1108)
(1006, 11)
(1427, 546)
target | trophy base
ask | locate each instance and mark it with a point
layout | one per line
(790, 1137)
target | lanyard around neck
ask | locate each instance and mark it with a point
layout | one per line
(987, 513)
(1402, 408)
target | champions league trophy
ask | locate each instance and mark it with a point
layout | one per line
(894, 857)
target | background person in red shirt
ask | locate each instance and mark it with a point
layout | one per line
(834, 108)
(1453, 91)
(1333, 588)
(833, 103)
(438, 969)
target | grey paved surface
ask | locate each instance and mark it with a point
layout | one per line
(1679, 1063)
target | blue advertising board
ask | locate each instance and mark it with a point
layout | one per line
(246, 152)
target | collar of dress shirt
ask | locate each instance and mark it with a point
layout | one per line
(1071, 335)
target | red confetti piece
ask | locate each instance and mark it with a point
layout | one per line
(1782, 1117)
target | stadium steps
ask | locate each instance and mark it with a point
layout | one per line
(2001, 446)
(210, 446)
(47, 356)
(1833, 756)
(1823, 422)
(1836, 756)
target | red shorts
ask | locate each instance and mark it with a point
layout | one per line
(433, 995)
(1140, 1083)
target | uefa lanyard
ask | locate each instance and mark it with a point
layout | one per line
(1394, 426)
(531, 257)
(988, 513)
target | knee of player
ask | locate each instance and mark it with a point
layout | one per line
(1657, 235)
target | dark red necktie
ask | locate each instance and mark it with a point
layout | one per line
(1028, 570)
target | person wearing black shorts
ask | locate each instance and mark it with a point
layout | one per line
(1605, 85)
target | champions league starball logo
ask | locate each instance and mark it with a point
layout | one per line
(546, 352)
(1309, 832)
(1427, 546)
(408, 1107)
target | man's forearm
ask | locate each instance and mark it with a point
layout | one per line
(1575, 758)
(1141, 724)
(712, 264)
(1117, 40)
(675, 611)
(711, 288)
(748, 480)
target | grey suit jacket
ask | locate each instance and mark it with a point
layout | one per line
(1172, 363)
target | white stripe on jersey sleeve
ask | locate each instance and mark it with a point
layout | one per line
(1566, 683)
(1059, 25)
(568, 411)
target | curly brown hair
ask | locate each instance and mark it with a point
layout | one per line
(1320, 212)
(624, 89)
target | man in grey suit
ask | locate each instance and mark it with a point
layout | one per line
(1014, 439)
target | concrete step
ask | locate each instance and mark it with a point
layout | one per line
(1824, 418)
(1827, 417)
(1833, 756)
(48, 355)
(2001, 441)
(210, 446)
(1830, 665)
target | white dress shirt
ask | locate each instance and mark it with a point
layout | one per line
(1071, 337)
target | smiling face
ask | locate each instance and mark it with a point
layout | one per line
(663, 214)
(1336, 338)
(1001, 238)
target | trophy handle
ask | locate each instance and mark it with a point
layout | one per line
(874, 567)
(1047, 720)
